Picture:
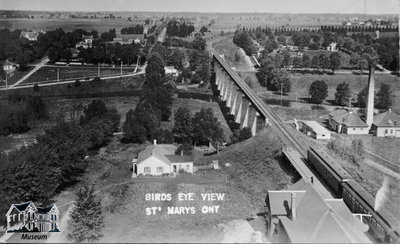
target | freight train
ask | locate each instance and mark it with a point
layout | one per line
(357, 199)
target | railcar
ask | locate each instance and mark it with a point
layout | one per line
(359, 201)
(328, 170)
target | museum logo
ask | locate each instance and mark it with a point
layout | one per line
(26, 217)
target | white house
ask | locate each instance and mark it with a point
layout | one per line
(315, 130)
(332, 47)
(170, 70)
(386, 124)
(159, 159)
(9, 66)
(86, 42)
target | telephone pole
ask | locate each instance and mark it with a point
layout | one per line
(281, 94)
(98, 70)
(121, 67)
(58, 75)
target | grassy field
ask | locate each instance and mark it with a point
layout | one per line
(229, 22)
(122, 85)
(37, 24)
(74, 72)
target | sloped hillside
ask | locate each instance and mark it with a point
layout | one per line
(256, 166)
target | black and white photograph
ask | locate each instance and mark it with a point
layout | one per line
(199, 121)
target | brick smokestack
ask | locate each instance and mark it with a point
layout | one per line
(371, 95)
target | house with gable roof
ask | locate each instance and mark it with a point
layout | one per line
(159, 159)
(386, 124)
(342, 121)
(300, 215)
(26, 217)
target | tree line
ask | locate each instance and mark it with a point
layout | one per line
(179, 28)
(355, 44)
(137, 29)
(318, 92)
(19, 111)
(38, 172)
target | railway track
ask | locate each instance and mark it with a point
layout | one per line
(264, 110)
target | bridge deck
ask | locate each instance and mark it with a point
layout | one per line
(300, 165)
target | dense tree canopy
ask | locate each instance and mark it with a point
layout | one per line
(244, 40)
(318, 91)
(384, 97)
(87, 218)
(206, 127)
(179, 28)
(183, 128)
(155, 70)
(56, 160)
(343, 94)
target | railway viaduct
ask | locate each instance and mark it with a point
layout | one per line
(246, 107)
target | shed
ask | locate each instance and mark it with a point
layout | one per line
(315, 130)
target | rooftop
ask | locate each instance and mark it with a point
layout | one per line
(349, 119)
(316, 127)
(317, 220)
(387, 119)
(165, 153)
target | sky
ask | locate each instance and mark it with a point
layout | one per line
(267, 6)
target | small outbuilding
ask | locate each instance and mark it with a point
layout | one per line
(315, 130)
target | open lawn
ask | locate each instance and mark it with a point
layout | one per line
(110, 87)
(75, 72)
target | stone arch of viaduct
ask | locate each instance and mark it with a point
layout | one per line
(235, 92)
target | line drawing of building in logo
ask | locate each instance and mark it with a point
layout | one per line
(26, 217)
